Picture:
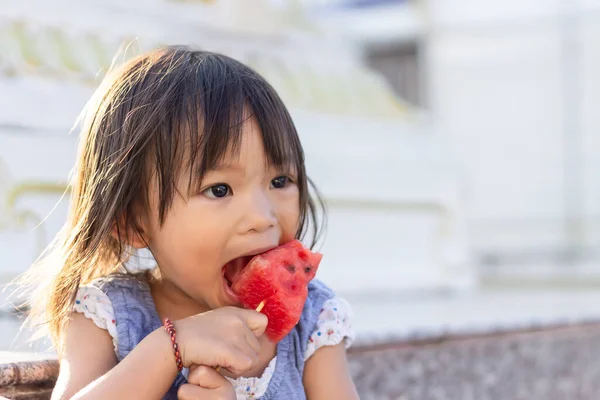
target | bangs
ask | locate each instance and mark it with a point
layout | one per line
(200, 102)
(222, 99)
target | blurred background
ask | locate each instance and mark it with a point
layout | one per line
(456, 141)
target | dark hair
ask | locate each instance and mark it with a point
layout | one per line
(171, 110)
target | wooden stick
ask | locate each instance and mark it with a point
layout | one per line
(258, 309)
(260, 306)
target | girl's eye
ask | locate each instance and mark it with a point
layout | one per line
(280, 182)
(217, 191)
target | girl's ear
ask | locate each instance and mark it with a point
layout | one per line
(133, 236)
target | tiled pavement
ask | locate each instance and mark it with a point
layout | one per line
(555, 364)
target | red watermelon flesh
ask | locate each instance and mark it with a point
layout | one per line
(279, 278)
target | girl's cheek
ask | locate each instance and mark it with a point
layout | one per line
(291, 225)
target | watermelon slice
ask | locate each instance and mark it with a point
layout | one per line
(278, 279)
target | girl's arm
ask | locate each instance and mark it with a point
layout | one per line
(89, 369)
(326, 375)
(226, 337)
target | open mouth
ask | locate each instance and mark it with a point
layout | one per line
(233, 269)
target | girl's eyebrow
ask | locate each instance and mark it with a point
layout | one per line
(226, 167)
(235, 167)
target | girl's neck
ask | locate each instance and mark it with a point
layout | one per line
(172, 302)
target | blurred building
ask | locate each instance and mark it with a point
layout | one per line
(385, 170)
(512, 86)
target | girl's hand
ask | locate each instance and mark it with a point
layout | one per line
(226, 337)
(206, 384)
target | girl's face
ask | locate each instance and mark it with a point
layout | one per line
(244, 207)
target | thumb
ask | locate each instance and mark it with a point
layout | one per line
(256, 321)
(205, 376)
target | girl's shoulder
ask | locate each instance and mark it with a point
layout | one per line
(94, 304)
(105, 300)
(326, 320)
(94, 298)
(334, 326)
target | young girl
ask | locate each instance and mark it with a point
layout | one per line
(188, 163)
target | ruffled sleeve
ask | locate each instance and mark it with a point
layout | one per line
(95, 305)
(333, 327)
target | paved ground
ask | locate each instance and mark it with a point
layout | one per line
(555, 364)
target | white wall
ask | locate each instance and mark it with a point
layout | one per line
(590, 115)
(498, 90)
(31, 156)
(395, 218)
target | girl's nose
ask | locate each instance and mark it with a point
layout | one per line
(259, 214)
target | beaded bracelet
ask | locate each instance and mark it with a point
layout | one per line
(170, 328)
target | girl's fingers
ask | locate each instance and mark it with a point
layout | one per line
(235, 359)
(205, 383)
(246, 350)
(189, 391)
(252, 340)
(256, 321)
(192, 392)
(207, 377)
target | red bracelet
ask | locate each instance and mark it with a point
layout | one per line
(170, 328)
